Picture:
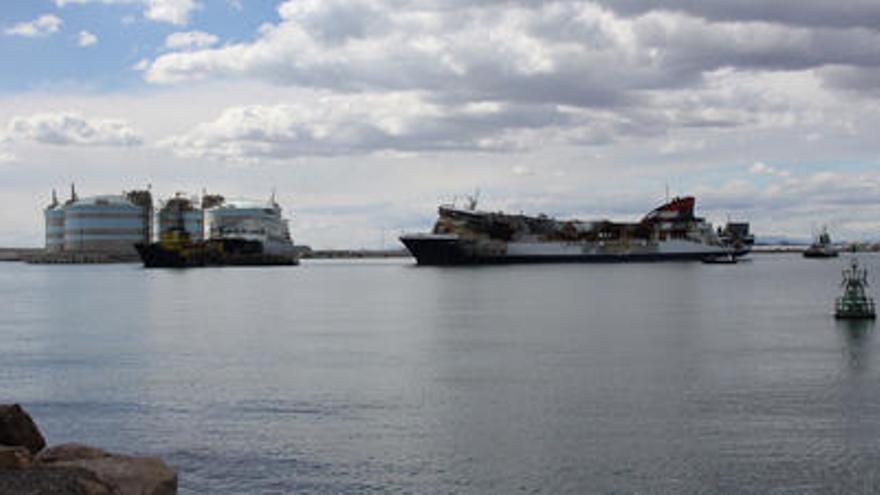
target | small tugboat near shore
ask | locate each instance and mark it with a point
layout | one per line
(822, 247)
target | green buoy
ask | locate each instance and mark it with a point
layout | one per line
(854, 304)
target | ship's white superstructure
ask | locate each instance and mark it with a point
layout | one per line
(250, 220)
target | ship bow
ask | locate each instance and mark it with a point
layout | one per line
(436, 249)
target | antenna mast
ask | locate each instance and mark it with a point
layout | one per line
(472, 200)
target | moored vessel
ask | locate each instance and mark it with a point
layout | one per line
(468, 236)
(240, 233)
(737, 236)
(822, 247)
(721, 259)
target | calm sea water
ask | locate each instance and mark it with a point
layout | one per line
(378, 376)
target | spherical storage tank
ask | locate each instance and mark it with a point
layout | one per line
(54, 227)
(107, 224)
(180, 213)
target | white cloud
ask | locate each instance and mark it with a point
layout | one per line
(327, 124)
(603, 77)
(843, 200)
(141, 65)
(85, 39)
(42, 26)
(6, 155)
(171, 11)
(526, 51)
(522, 170)
(761, 168)
(353, 45)
(680, 146)
(190, 40)
(71, 129)
(816, 13)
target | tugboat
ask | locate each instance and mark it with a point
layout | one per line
(854, 304)
(728, 258)
(737, 235)
(821, 247)
(242, 233)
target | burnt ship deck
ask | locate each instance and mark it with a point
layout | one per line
(670, 232)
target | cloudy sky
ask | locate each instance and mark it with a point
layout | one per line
(365, 114)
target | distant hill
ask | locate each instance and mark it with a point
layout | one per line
(778, 240)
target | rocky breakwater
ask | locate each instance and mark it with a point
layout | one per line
(28, 467)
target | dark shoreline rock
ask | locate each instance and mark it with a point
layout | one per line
(15, 457)
(126, 474)
(17, 428)
(53, 481)
(27, 468)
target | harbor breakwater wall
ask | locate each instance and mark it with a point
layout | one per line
(18, 254)
(29, 467)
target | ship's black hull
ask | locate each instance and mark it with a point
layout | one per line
(439, 251)
(209, 255)
(820, 254)
(449, 251)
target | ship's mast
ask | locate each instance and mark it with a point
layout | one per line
(472, 200)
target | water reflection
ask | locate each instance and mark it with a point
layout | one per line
(857, 342)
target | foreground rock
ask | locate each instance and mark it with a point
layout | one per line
(52, 481)
(126, 474)
(17, 428)
(26, 468)
(15, 457)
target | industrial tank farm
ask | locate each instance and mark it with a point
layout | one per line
(54, 226)
(180, 213)
(97, 228)
(113, 228)
(104, 224)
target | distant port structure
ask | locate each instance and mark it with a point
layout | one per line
(95, 228)
(105, 228)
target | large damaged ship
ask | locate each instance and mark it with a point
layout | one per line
(468, 236)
